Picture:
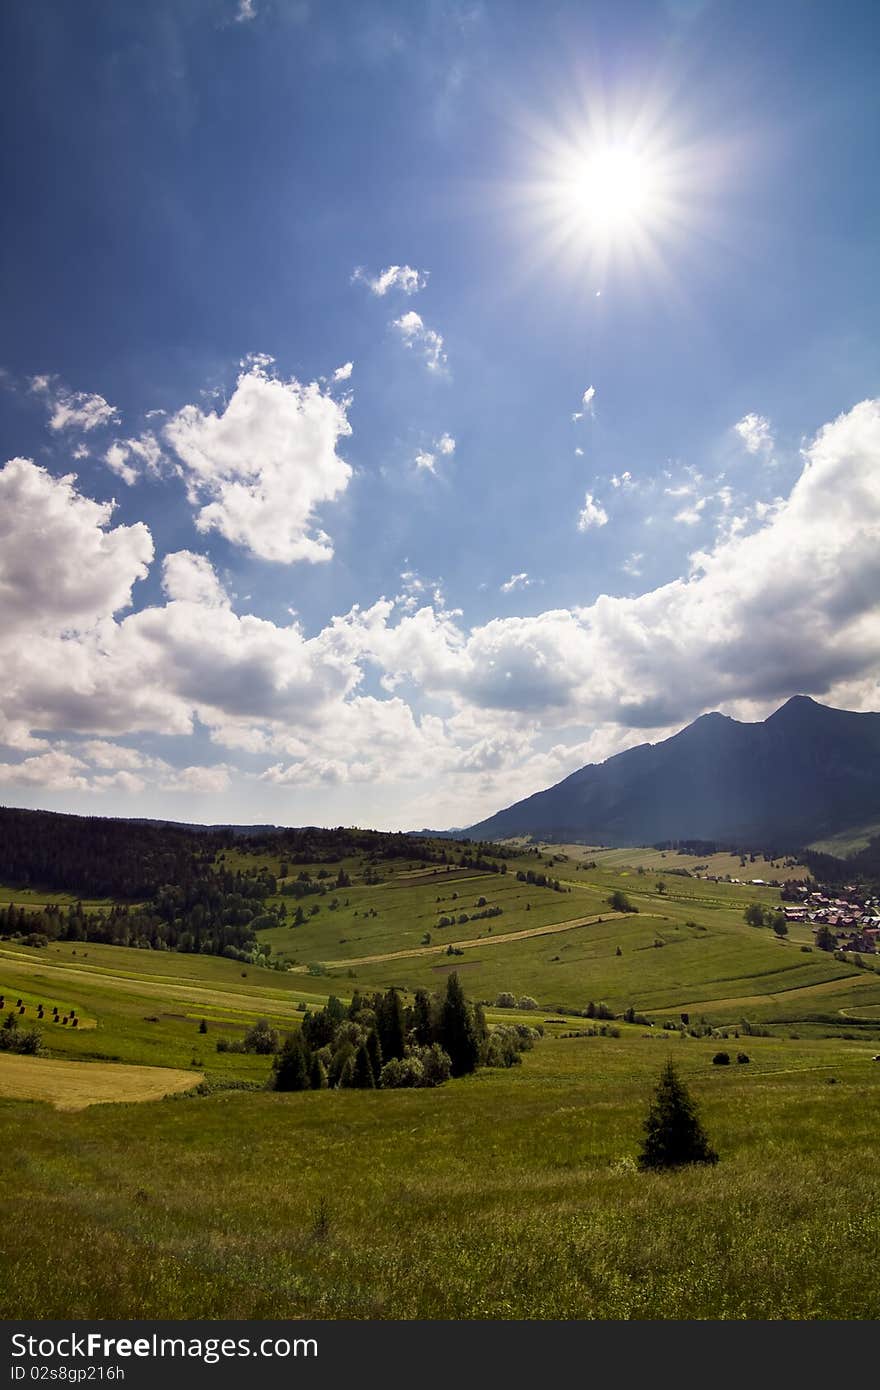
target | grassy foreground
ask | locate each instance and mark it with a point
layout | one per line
(509, 1194)
(506, 1195)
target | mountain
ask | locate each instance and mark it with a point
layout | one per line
(805, 773)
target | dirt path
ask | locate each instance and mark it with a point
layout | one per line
(478, 942)
(778, 997)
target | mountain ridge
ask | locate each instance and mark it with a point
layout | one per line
(807, 771)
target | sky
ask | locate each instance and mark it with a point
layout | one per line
(406, 402)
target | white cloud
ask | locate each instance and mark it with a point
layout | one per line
(344, 372)
(190, 578)
(516, 581)
(586, 404)
(394, 277)
(579, 452)
(426, 459)
(210, 780)
(756, 433)
(265, 464)
(72, 410)
(415, 334)
(623, 480)
(62, 566)
(791, 606)
(689, 516)
(245, 12)
(633, 565)
(129, 458)
(55, 770)
(591, 514)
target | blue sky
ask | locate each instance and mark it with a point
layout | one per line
(405, 404)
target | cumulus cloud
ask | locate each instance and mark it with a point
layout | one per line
(130, 458)
(344, 372)
(54, 770)
(393, 277)
(791, 606)
(72, 410)
(416, 334)
(246, 11)
(264, 465)
(62, 564)
(591, 514)
(190, 578)
(516, 581)
(211, 780)
(756, 433)
(633, 565)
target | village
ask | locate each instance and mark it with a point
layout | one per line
(853, 920)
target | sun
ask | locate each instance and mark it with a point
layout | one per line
(605, 190)
(614, 190)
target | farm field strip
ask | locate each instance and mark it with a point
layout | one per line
(284, 1004)
(76, 1085)
(473, 943)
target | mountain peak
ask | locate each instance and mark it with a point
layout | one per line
(804, 773)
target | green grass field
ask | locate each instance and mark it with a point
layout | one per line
(509, 1194)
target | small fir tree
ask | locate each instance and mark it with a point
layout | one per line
(674, 1135)
(290, 1070)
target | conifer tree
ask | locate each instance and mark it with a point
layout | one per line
(673, 1133)
(362, 1077)
(458, 1036)
(290, 1070)
(374, 1052)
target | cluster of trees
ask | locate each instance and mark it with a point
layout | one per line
(378, 1041)
(619, 902)
(540, 880)
(759, 916)
(14, 1038)
(101, 858)
(217, 913)
(323, 882)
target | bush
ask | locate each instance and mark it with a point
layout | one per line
(262, 1038)
(743, 1057)
(527, 1002)
(505, 1000)
(721, 1059)
(619, 902)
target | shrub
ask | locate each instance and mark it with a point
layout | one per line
(505, 1000)
(743, 1057)
(721, 1059)
(619, 902)
(527, 1002)
(261, 1037)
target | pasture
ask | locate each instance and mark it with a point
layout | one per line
(507, 1194)
(76, 1085)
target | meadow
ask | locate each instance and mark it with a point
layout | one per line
(506, 1194)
